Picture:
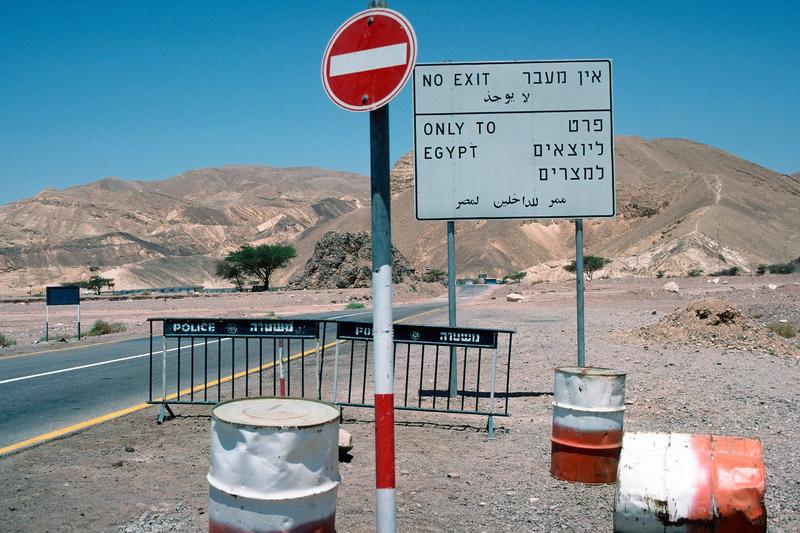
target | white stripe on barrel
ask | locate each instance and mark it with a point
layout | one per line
(588, 410)
(690, 483)
(274, 466)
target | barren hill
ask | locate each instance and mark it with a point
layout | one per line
(681, 205)
(169, 232)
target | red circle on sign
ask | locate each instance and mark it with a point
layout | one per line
(369, 59)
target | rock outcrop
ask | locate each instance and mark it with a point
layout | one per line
(344, 260)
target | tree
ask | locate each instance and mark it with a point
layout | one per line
(261, 261)
(96, 284)
(591, 263)
(232, 272)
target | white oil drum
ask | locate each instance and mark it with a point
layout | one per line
(674, 482)
(274, 466)
(588, 411)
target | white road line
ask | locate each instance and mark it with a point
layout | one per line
(349, 315)
(372, 59)
(81, 367)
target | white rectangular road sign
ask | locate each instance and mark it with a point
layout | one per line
(527, 139)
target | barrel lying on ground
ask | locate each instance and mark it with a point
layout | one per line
(693, 483)
(588, 412)
(274, 466)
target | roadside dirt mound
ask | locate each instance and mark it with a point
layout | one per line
(343, 260)
(714, 322)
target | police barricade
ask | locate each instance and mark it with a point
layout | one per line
(439, 369)
(206, 361)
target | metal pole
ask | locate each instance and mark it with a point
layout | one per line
(79, 321)
(46, 323)
(382, 321)
(163, 368)
(451, 300)
(335, 372)
(579, 289)
(490, 422)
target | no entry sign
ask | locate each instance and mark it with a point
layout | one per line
(369, 59)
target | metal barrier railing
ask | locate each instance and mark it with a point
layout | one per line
(439, 369)
(426, 369)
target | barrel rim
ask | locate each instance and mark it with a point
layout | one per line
(592, 371)
(214, 416)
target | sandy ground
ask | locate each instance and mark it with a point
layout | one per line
(133, 475)
(23, 319)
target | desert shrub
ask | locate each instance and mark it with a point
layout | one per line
(516, 276)
(781, 268)
(733, 271)
(6, 341)
(761, 270)
(660, 274)
(784, 329)
(695, 272)
(101, 327)
(354, 305)
(434, 275)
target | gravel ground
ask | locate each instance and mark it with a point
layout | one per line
(449, 476)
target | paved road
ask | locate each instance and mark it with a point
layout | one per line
(48, 391)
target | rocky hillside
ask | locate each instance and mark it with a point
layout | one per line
(343, 260)
(169, 232)
(681, 206)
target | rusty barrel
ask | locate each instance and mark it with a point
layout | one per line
(588, 411)
(274, 466)
(690, 483)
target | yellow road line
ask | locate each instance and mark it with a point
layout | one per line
(197, 388)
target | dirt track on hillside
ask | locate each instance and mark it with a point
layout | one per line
(133, 475)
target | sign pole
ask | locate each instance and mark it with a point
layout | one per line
(46, 323)
(79, 321)
(451, 299)
(579, 289)
(382, 320)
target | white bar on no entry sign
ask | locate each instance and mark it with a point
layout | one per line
(372, 59)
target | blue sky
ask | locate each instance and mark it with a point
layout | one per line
(145, 90)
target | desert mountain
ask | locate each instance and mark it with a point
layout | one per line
(169, 232)
(681, 206)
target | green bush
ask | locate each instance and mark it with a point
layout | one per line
(784, 329)
(695, 272)
(781, 268)
(354, 305)
(6, 341)
(761, 270)
(733, 271)
(101, 327)
(660, 274)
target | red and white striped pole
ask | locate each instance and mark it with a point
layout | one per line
(281, 375)
(382, 321)
(386, 521)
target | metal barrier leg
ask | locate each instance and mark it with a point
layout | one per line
(318, 370)
(490, 423)
(165, 411)
(335, 372)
